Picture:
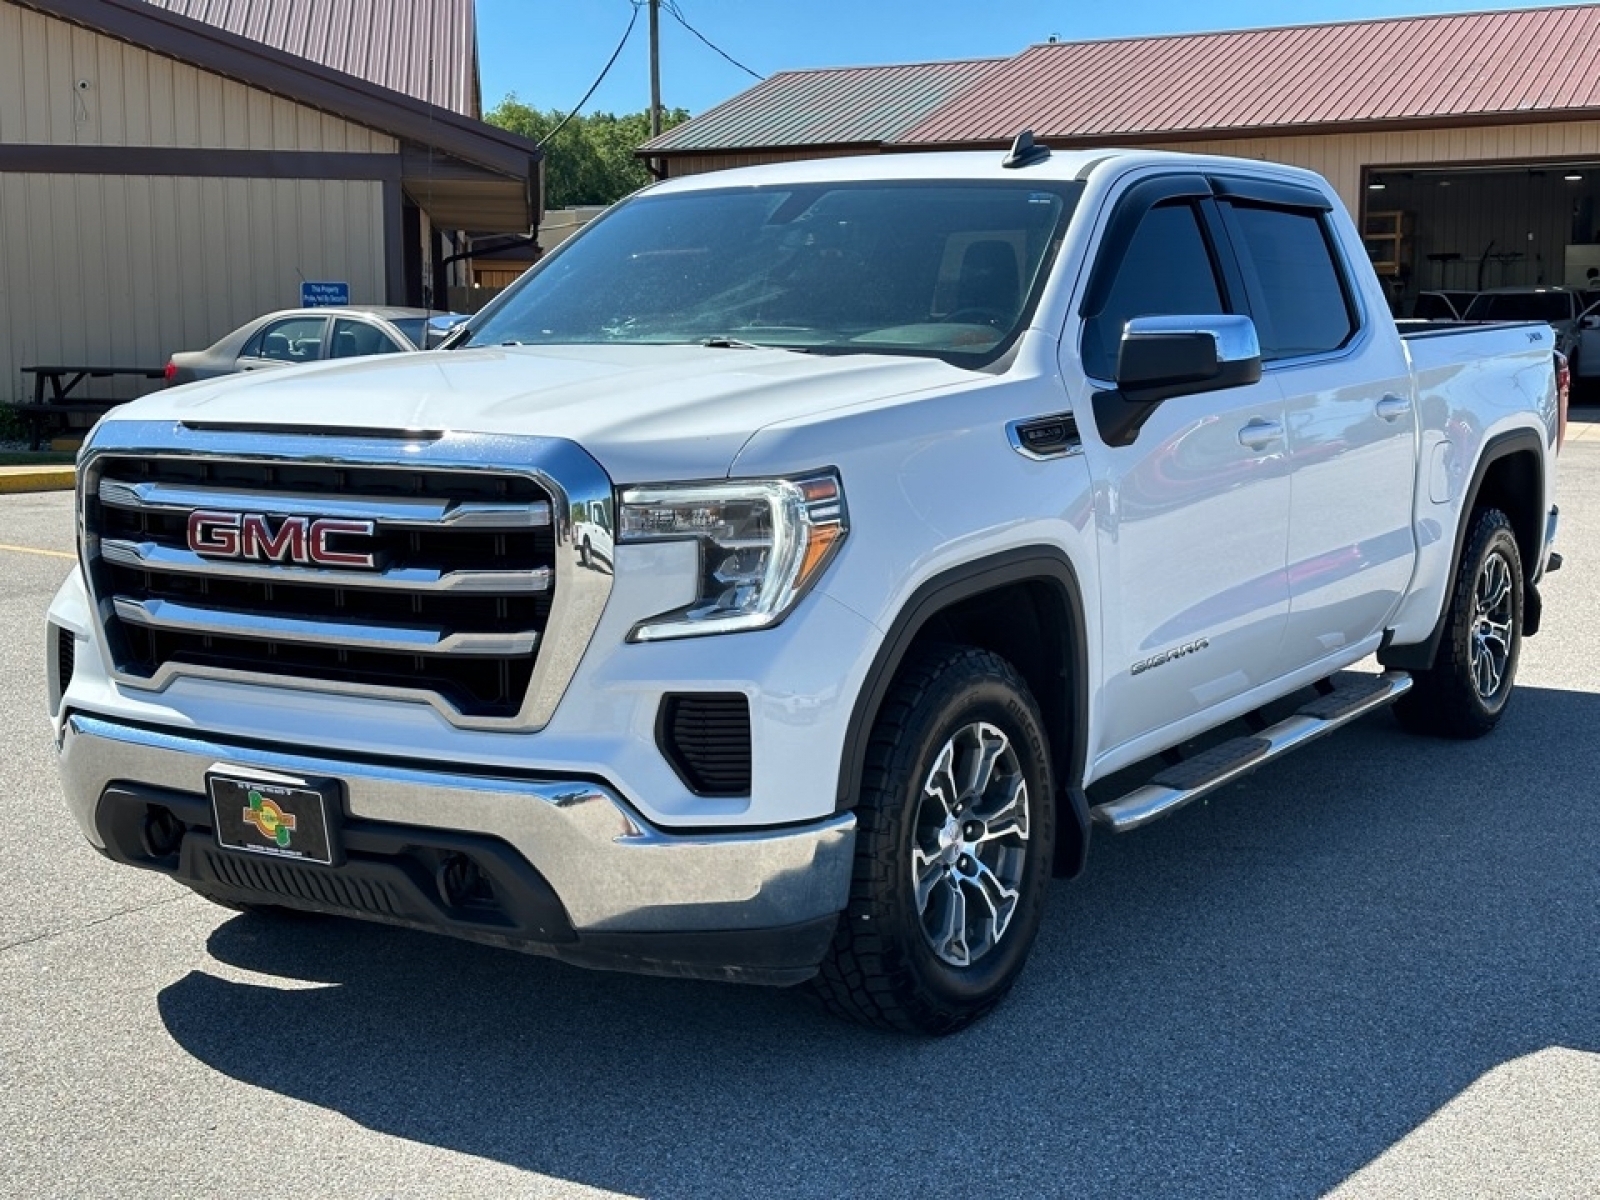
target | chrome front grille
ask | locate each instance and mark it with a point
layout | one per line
(465, 566)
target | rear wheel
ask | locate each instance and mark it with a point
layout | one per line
(956, 828)
(1465, 692)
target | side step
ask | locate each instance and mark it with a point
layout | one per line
(1205, 773)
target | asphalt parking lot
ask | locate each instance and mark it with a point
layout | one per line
(1372, 970)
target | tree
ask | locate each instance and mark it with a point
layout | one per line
(590, 160)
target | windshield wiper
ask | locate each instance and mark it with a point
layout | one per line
(722, 341)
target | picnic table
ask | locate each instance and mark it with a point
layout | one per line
(60, 382)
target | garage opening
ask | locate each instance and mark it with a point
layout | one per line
(1459, 231)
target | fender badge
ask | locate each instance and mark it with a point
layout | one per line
(1166, 656)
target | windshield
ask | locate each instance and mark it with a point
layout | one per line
(1520, 306)
(415, 328)
(945, 269)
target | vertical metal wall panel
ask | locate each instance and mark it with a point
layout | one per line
(1341, 157)
(124, 270)
(12, 64)
(1338, 157)
(137, 98)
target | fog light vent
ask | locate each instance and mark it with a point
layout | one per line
(61, 653)
(706, 738)
(66, 656)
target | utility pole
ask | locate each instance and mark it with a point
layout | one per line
(655, 68)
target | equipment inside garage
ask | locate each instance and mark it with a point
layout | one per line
(1467, 229)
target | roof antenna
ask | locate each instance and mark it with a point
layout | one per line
(1025, 151)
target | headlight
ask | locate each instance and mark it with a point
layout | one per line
(763, 543)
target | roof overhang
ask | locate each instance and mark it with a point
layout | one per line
(458, 195)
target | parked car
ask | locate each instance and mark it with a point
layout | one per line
(303, 335)
(1558, 307)
(1441, 305)
(1585, 356)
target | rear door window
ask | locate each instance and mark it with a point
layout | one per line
(1299, 298)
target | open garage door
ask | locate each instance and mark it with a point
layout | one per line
(1463, 230)
(1497, 241)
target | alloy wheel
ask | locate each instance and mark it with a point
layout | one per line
(1492, 615)
(969, 844)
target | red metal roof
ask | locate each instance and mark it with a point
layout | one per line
(426, 49)
(1413, 70)
(844, 106)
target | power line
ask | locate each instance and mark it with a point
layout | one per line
(604, 71)
(677, 15)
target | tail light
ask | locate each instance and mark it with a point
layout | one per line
(1563, 395)
(171, 371)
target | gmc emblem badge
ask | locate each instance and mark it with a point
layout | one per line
(299, 540)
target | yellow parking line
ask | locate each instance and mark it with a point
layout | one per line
(33, 550)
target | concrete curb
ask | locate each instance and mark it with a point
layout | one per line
(37, 479)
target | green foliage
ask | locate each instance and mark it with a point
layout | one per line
(590, 160)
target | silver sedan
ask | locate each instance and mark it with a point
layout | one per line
(303, 335)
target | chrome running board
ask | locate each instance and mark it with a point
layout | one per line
(1205, 773)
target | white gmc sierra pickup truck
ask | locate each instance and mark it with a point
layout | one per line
(757, 588)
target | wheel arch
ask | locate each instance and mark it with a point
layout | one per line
(1025, 605)
(1509, 476)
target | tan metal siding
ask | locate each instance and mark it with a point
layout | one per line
(1340, 157)
(137, 98)
(123, 270)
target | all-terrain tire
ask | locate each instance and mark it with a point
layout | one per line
(1465, 692)
(923, 945)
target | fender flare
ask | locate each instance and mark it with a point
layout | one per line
(1041, 564)
(1419, 656)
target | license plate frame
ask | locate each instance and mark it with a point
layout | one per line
(276, 816)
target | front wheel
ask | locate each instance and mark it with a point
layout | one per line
(955, 834)
(1465, 692)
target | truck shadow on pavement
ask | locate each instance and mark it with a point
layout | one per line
(1254, 997)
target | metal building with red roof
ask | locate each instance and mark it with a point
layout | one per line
(1467, 144)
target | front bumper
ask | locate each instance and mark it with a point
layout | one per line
(578, 874)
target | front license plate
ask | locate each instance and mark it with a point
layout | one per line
(276, 815)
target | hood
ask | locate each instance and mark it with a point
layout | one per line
(643, 412)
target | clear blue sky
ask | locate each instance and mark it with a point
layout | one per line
(548, 53)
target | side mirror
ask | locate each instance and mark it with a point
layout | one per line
(1188, 354)
(1163, 357)
(440, 327)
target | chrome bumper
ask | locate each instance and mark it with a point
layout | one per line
(611, 871)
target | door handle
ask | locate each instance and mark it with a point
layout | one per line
(1260, 433)
(1392, 408)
